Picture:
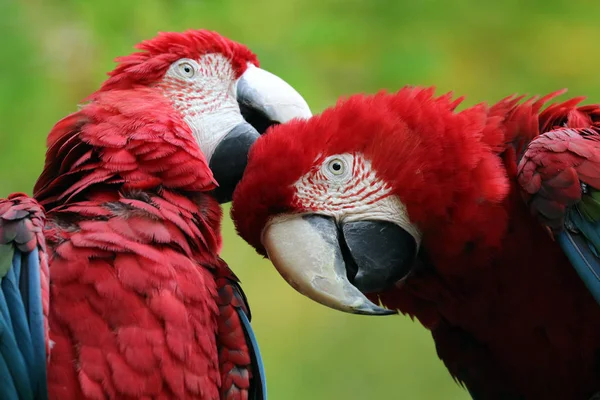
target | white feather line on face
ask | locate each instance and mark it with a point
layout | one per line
(354, 194)
(206, 100)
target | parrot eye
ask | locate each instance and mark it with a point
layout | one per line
(336, 166)
(186, 69)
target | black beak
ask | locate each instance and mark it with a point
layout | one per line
(377, 254)
(230, 158)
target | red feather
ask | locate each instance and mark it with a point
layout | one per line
(555, 165)
(139, 284)
(234, 356)
(190, 172)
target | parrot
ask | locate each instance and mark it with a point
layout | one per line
(111, 282)
(483, 224)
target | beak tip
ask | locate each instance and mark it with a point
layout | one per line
(372, 309)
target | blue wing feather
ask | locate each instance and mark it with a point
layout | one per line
(17, 347)
(9, 391)
(22, 342)
(580, 241)
(31, 280)
(258, 368)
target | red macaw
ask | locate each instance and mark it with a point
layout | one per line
(111, 272)
(401, 198)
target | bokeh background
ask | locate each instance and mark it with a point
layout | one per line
(54, 53)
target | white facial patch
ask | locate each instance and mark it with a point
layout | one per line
(204, 91)
(346, 187)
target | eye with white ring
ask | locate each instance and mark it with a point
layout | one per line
(337, 166)
(186, 69)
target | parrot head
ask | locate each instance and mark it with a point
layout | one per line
(341, 203)
(218, 87)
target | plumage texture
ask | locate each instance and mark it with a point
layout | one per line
(23, 299)
(130, 302)
(241, 365)
(510, 316)
(138, 303)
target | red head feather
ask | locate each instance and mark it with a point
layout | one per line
(432, 157)
(150, 64)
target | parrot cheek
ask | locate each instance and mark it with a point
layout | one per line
(229, 159)
(379, 253)
(306, 251)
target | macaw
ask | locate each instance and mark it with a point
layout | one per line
(483, 224)
(111, 280)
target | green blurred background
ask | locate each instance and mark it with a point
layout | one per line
(54, 53)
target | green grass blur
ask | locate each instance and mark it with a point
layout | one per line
(54, 53)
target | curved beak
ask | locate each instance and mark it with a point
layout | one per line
(336, 264)
(264, 100)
